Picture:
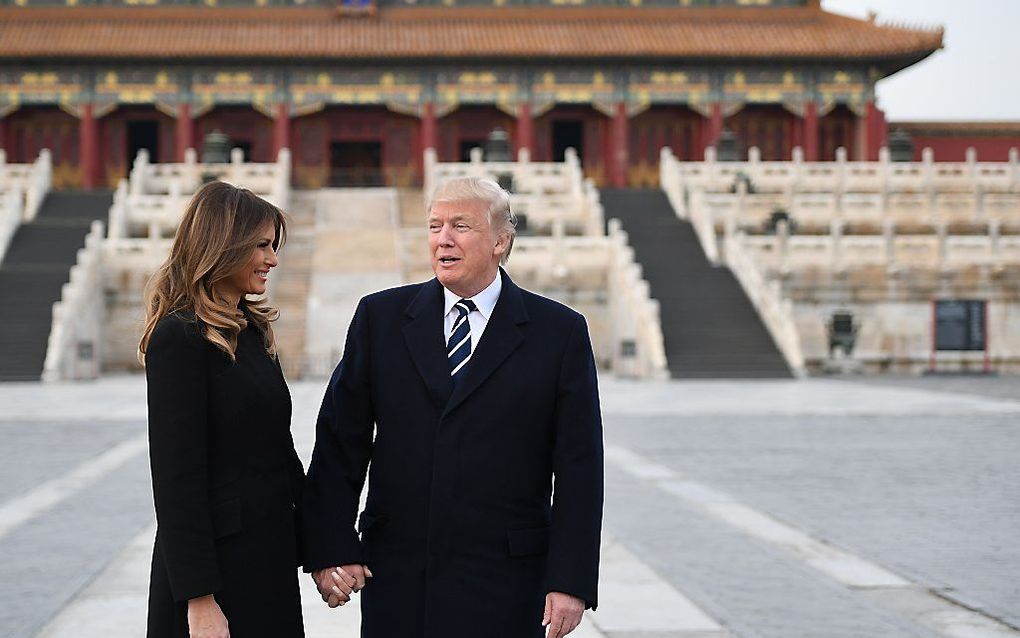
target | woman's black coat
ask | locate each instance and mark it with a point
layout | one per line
(225, 479)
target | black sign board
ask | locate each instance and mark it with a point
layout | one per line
(960, 324)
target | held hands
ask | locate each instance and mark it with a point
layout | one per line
(337, 584)
(562, 614)
(206, 619)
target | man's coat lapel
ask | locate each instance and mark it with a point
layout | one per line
(501, 337)
(423, 335)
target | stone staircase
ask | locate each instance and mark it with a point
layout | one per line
(36, 266)
(355, 251)
(709, 326)
(414, 255)
(290, 284)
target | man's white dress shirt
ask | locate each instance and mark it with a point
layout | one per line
(485, 301)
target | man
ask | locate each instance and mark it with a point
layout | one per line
(484, 504)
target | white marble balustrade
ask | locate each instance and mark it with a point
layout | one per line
(74, 349)
(151, 202)
(842, 176)
(552, 195)
(783, 254)
(270, 180)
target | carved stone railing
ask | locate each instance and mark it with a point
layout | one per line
(11, 209)
(635, 314)
(783, 253)
(269, 180)
(776, 312)
(840, 176)
(689, 205)
(39, 183)
(633, 343)
(31, 181)
(23, 187)
(74, 349)
(549, 194)
(152, 201)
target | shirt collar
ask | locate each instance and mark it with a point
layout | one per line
(485, 300)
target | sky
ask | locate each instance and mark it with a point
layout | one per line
(975, 77)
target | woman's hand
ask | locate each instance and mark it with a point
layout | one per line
(206, 619)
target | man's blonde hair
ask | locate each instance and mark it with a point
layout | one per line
(479, 189)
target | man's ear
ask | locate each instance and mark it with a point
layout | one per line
(502, 241)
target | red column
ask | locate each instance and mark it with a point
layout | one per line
(874, 131)
(618, 146)
(713, 127)
(3, 135)
(185, 132)
(525, 129)
(281, 129)
(429, 129)
(811, 132)
(88, 147)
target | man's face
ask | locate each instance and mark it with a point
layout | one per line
(465, 249)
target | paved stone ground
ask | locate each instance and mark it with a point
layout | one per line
(1002, 387)
(919, 476)
(933, 498)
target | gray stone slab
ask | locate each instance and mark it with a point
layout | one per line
(934, 498)
(46, 561)
(753, 589)
(32, 452)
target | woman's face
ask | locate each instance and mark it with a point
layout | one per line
(250, 279)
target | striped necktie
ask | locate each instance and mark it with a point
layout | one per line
(458, 348)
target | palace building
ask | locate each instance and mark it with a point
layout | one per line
(358, 90)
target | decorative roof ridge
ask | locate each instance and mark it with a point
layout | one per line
(204, 13)
(898, 25)
(196, 13)
(917, 27)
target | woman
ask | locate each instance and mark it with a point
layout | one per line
(225, 476)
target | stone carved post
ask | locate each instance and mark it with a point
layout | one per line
(836, 237)
(889, 241)
(783, 240)
(979, 202)
(841, 159)
(943, 232)
(994, 231)
(138, 172)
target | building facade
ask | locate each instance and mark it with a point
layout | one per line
(358, 90)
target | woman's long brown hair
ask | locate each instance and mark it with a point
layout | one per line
(216, 237)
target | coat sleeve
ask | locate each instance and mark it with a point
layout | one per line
(176, 376)
(343, 448)
(295, 476)
(573, 562)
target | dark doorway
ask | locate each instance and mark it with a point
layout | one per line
(355, 164)
(567, 134)
(466, 146)
(142, 134)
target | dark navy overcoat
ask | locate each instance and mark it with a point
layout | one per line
(481, 499)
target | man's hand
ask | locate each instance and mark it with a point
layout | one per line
(336, 584)
(206, 619)
(562, 614)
